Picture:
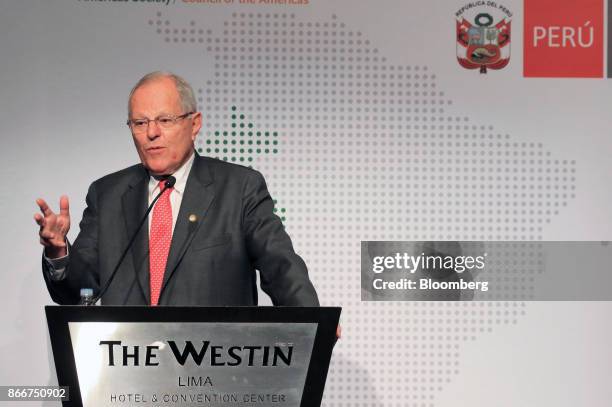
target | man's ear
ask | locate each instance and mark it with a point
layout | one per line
(196, 125)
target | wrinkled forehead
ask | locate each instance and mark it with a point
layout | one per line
(158, 96)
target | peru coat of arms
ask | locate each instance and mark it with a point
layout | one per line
(482, 41)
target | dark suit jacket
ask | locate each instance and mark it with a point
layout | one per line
(212, 261)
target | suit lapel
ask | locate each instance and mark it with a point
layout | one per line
(135, 202)
(199, 194)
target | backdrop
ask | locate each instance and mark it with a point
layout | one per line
(366, 127)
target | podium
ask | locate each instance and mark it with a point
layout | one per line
(192, 356)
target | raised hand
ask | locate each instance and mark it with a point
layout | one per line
(53, 227)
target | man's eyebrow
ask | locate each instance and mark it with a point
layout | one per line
(159, 115)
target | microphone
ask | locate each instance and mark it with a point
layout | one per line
(170, 181)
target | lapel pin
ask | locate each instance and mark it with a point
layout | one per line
(193, 218)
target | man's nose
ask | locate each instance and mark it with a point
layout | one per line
(153, 130)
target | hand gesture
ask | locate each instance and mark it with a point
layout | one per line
(53, 227)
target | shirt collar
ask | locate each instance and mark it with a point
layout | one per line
(181, 176)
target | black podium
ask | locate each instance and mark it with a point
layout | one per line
(192, 356)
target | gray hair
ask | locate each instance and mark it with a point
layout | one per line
(185, 91)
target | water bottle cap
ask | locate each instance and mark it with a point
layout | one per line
(86, 292)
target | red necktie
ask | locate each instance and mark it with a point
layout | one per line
(160, 237)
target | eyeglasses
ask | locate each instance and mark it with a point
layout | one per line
(165, 122)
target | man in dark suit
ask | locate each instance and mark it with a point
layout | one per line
(205, 237)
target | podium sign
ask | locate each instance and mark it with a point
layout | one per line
(191, 356)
